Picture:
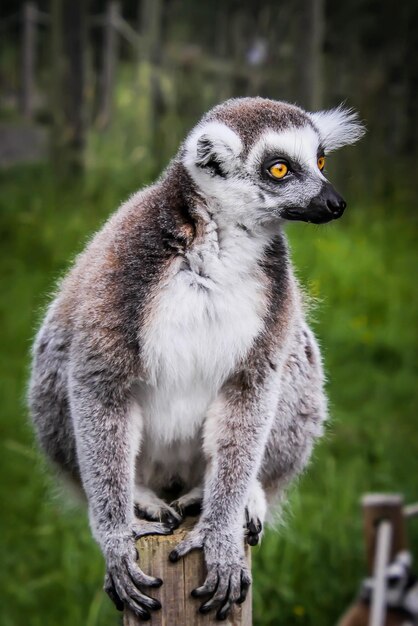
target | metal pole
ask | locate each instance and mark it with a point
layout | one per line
(383, 547)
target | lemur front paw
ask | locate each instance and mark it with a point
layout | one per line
(124, 578)
(190, 503)
(228, 577)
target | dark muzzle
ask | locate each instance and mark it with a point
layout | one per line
(326, 206)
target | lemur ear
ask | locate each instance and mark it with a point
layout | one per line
(213, 147)
(207, 156)
(337, 127)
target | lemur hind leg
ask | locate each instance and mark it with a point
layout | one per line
(190, 503)
(255, 514)
(48, 398)
(149, 506)
(300, 416)
(168, 483)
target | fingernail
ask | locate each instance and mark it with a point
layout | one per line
(173, 556)
(252, 527)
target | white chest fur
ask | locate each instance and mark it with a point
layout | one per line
(204, 319)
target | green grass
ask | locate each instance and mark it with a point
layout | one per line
(362, 273)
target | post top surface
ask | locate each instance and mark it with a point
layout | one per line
(382, 499)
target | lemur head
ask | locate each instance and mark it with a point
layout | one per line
(260, 160)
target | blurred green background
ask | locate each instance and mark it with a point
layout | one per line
(95, 98)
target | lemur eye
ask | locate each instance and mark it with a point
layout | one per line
(278, 170)
(321, 162)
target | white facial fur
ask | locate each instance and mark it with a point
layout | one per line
(242, 196)
(299, 145)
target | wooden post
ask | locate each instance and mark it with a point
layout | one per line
(28, 59)
(379, 507)
(178, 607)
(110, 53)
(359, 615)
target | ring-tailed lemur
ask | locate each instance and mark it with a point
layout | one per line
(175, 357)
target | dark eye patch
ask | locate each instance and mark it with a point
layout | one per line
(271, 159)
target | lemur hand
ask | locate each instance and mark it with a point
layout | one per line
(123, 576)
(228, 577)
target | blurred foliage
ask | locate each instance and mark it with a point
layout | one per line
(366, 52)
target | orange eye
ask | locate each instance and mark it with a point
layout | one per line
(278, 170)
(321, 162)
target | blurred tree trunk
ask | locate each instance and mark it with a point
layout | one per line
(151, 12)
(223, 37)
(109, 60)
(69, 44)
(411, 79)
(28, 59)
(310, 49)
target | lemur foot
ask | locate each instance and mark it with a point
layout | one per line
(228, 577)
(190, 504)
(253, 529)
(255, 514)
(124, 580)
(149, 506)
(143, 528)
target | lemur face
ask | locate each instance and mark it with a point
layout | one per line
(261, 161)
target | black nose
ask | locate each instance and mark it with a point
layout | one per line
(333, 201)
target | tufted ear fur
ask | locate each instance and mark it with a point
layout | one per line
(209, 157)
(337, 127)
(213, 147)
